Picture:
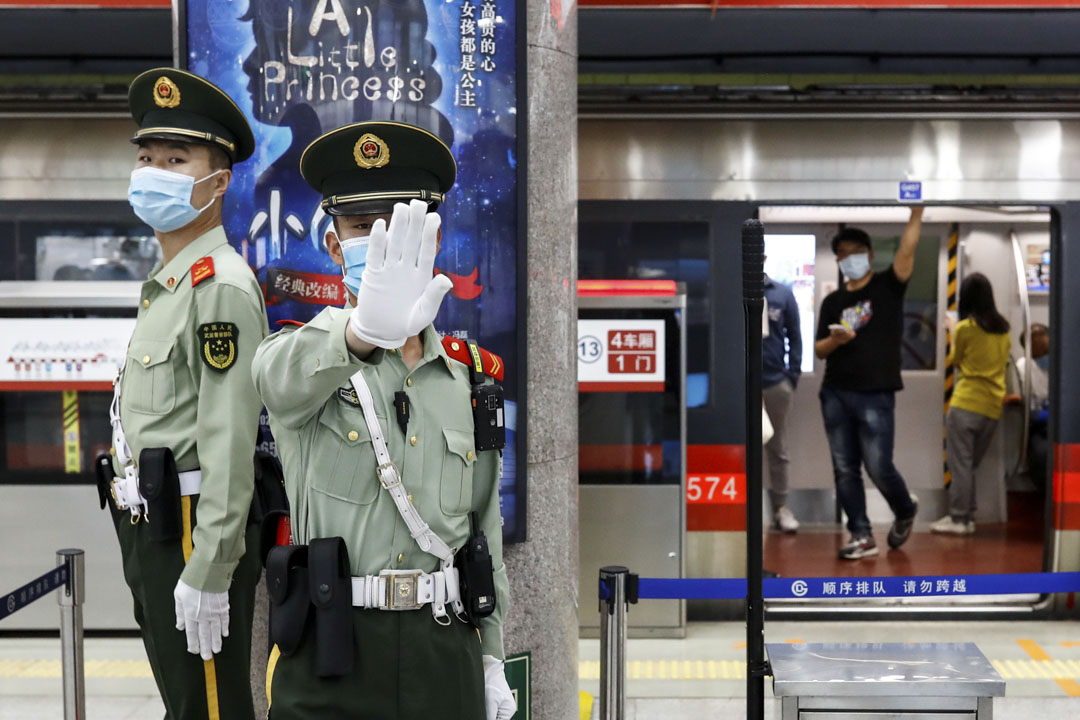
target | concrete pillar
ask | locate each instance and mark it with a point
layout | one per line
(543, 571)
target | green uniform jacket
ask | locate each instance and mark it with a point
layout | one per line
(185, 389)
(303, 376)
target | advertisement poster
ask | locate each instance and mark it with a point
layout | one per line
(301, 68)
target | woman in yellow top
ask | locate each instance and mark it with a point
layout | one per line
(980, 353)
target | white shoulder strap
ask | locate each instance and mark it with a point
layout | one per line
(390, 478)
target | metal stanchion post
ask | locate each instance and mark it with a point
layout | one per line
(71, 600)
(753, 257)
(613, 643)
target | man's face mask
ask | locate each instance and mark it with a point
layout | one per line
(855, 266)
(162, 199)
(354, 251)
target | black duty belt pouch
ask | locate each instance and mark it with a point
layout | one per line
(269, 495)
(476, 574)
(103, 470)
(290, 604)
(331, 594)
(159, 484)
(268, 534)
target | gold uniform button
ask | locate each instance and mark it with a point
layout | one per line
(146, 303)
(455, 346)
(145, 359)
(409, 382)
(353, 435)
(400, 558)
(112, 451)
(410, 498)
(413, 440)
(470, 455)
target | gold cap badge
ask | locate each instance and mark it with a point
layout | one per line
(166, 94)
(371, 151)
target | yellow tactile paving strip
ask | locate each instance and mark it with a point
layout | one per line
(120, 669)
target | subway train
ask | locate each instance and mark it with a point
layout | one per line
(661, 197)
(664, 196)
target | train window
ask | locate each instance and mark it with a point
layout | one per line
(918, 346)
(52, 437)
(48, 241)
(789, 259)
(668, 250)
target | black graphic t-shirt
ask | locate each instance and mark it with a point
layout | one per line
(871, 361)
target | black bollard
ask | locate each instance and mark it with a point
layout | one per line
(753, 257)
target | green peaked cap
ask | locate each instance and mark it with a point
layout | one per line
(368, 167)
(178, 105)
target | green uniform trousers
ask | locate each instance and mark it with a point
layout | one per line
(406, 667)
(192, 689)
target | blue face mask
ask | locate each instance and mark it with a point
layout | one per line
(355, 253)
(1043, 362)
(855, 266)
(162, 199)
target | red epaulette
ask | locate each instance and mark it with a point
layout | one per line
(489, 363)
(202, 269)
(283, 323)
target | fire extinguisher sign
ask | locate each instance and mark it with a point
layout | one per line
(621, 355)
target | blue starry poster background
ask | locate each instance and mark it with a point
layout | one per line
(300, 68)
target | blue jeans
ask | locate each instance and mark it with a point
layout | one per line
(861, 428)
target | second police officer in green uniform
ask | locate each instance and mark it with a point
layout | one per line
(375, 427)
(185, 413)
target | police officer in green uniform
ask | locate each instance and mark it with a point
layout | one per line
(185, 413)
(372, 417)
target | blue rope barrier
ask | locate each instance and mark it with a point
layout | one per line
(34, 590)
(861, 587)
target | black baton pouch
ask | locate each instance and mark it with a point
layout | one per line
(290, 604)
(476, 574)
(103, 470)
(159, 484)
(331, 594)
(268, 534)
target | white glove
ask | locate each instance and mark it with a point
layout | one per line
(497, 696)
(204, 616)
(398, 297)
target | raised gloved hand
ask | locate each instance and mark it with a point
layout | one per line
(497, 696)
(398, 297)
(203, 616)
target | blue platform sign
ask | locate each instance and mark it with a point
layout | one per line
(301, 68)
(910, 190)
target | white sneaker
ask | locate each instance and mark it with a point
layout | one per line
(949, 526)
(785, 520)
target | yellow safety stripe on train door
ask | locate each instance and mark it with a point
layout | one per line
(950, 375)
(209, 670)
(72, 442)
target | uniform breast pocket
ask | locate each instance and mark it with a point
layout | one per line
(455, 490)
(149, 383)
(342, 461)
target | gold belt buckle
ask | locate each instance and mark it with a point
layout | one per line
(401, 591)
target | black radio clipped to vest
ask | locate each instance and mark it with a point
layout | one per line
(488, 405)
(477, 574)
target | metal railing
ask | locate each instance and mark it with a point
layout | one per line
(68, 580)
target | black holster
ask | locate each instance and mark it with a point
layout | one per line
(331, 593)
(159, 484)
(287, 585)
(104, 471)
(269, 495)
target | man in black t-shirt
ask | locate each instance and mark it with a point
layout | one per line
(859, 332)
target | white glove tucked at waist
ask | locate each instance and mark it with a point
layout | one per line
(497, 696)
(203, 616)
(398, 297)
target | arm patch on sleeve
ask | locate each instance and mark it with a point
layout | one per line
(217, 345)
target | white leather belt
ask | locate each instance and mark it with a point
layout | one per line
(125, 490)
(405, 589)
